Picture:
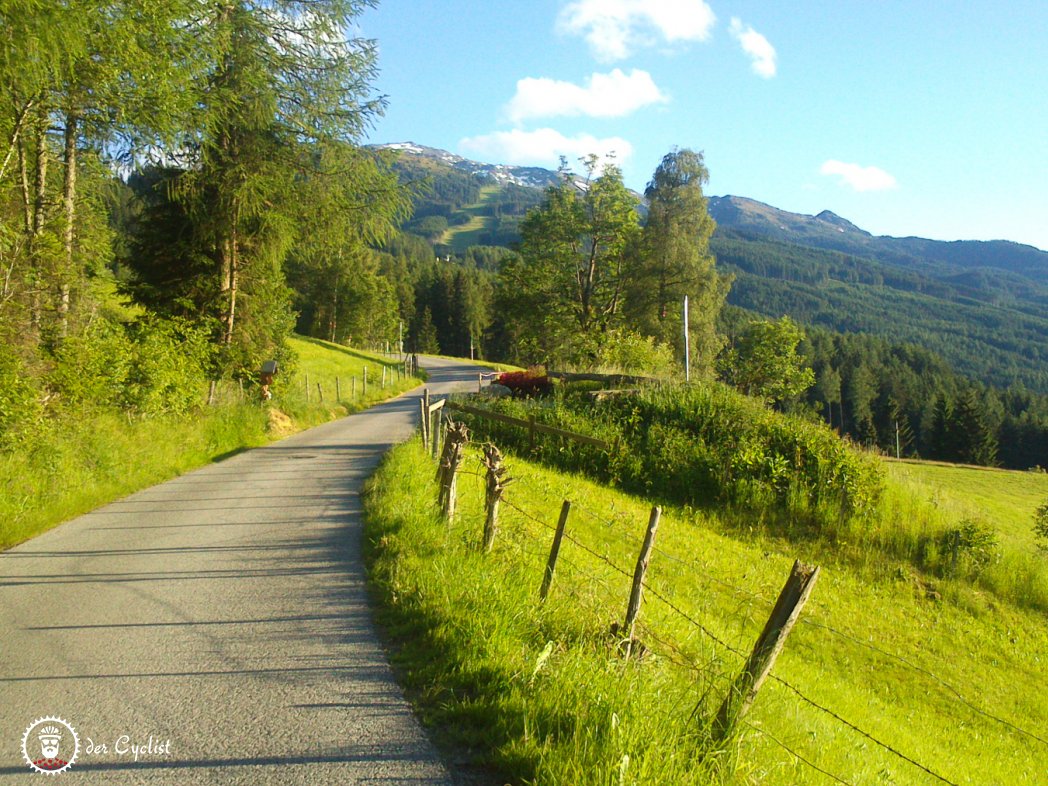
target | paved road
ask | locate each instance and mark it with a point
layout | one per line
(223, 612)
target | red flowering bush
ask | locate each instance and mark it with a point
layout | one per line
(531, 383)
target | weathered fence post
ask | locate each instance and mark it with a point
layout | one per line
(480, 381)
(307, 388)
(633, 609)
(364, 389)
(454, 447)
(423, 421)
(740, 698)
(435, 434)
(338, 390)
(494, 488)
(383, 377)
(320, 393)
(551, 563)
(211, 388)
(353, 388)
(425, 418)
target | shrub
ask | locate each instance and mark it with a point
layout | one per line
(530, 383)
(19, 405)
(968, 549)
(1040, 526)
(168, 365)
(704, 445)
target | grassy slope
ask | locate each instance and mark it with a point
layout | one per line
(87, 462)
(536, 694)
(462, 237)
(1005, 500)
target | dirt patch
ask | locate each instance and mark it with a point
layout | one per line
(279, 425)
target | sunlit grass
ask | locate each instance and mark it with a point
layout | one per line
(535, 693)
(1005, 499)
(79, 463)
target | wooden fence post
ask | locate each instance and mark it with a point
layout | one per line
(480, 382)
(307, 388)
(740, 698)
(320, 393)
(551, 563)
(423, 422)
(425, 418)
(364, 390)
(454, 447)
(435, 434)
(211, 389)
(383, 377)
(633, 609)
(494, 489)
(338, 390)
(353, 388)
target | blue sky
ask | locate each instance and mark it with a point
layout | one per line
(927, 117)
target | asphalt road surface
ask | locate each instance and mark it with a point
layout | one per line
(222, 614)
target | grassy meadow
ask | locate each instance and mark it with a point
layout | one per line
(74, 465)
(1005, 499)
(527, 693)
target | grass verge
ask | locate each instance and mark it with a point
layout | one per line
(531, 693)
(77, 464)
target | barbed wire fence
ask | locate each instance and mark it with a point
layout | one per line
(616, 528)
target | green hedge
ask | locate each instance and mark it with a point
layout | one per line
(700, 445)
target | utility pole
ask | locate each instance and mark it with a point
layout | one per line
(687, 344)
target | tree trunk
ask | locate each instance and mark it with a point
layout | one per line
(69, 200)
(27, 199)
(39, 214)
(15, 138)
(40, 184)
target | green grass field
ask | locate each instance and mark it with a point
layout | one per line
(465, 235)
(78, 464)
(537, 694)
(1004, 499)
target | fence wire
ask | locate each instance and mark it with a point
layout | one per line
(673, 653)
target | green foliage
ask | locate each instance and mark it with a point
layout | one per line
(20, 409)
(148, 367)
(705, 445)
(764, 361)
(967, 549)
(568, 284)
(624, 351)
(675, 262)
(1040, 526)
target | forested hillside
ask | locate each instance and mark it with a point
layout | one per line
(917, 347)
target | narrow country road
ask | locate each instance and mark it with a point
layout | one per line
(223, 614)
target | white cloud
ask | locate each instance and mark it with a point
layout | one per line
(756, 46)
(542, 147)
(604, 95)
(615, 28)
(868, 178)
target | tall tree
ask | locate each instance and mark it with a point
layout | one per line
(676, 261)
(566, 289)
(283, 81)
(765, 363)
